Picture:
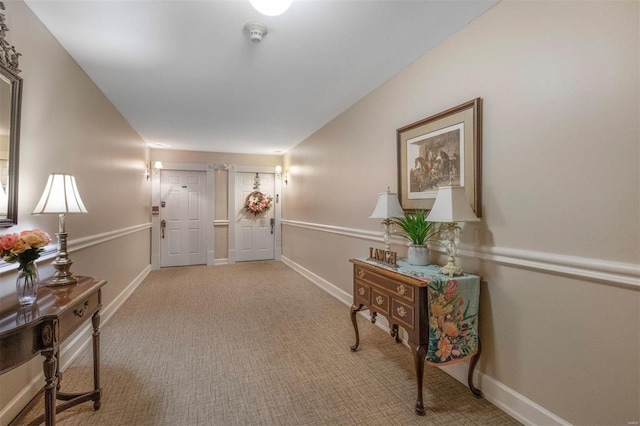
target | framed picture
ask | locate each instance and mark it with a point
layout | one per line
(441, 150)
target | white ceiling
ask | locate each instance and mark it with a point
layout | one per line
(184, 73)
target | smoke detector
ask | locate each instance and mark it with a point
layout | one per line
(256, 31)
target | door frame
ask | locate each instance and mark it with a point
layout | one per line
(155, 201)
(231, 205)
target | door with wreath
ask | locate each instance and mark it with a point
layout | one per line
(255, 216)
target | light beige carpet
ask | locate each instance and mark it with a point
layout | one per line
(256, 344)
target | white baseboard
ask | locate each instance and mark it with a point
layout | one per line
(220, 261)
(70, 350)
(339, 294)
(516, 405)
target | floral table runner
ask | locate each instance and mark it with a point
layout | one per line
(453, 312)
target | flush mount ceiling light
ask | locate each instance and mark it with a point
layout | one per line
(256, 31)
(158, 145)
(271, 7)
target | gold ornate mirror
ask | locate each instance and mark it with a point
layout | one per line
(10, 104)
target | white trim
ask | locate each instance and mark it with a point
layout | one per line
(232, 169)
(340, 230)
(339, 294)
(231, 203)
(593, 269)
(187, 166)
(211, 195)
(516, 405)
(221, 222)
(155, 201)
(70, 350)
(618, 273)
(507, 399)
(221, 261)
(51, 250)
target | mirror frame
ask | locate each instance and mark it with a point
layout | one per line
(9, 58)
(14, 147)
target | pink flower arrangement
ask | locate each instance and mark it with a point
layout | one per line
(257, 203)
(24, 247)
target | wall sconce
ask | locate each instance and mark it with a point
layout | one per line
(153, 168)
(284, 177)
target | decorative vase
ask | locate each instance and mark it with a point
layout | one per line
(27, 313)
(418, 255)
(27, 283)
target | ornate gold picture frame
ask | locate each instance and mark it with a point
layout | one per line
(444, 149)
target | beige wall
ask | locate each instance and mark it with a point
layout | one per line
(560, 85)
(69, 126)
(220, 182)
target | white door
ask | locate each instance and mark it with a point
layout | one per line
(183, 201)
(255, 234)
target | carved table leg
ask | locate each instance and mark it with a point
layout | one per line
(58, 373)
(354, 310)
(472, 366)
(50, 367)
(419, 354)
(395, 332)
(95, 321)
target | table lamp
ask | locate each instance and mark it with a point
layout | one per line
(387, 208)
(61, 196)
(451, 206)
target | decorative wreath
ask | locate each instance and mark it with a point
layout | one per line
(258, 203)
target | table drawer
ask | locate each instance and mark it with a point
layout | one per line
(72, 318)
(379, 301)
(361, 293)
(397, 289)
(403, 313)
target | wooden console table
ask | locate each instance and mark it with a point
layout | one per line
(402, 297)
(40, 329)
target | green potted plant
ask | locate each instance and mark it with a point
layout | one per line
(414, 227)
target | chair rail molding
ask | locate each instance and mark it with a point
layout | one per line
(76, 244)
(596, 270)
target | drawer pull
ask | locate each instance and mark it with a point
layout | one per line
(80, 312)
(362, 291)
(379, 300)
(402, 312)
(361, 273)
(402, 290)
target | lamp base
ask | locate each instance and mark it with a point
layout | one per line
(62, 263)
(451, 268)
(55, 281)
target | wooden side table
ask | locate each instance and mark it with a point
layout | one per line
(40, 329)
(402, 299)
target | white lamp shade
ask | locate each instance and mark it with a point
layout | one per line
(60, 196)
(271, 7)
(387, 207)
(451, 205)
